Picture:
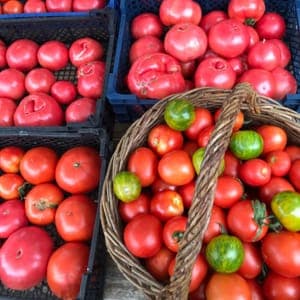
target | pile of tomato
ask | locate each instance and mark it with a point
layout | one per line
(47, 216)
(180, 48)
(31, 94)
(251, 247)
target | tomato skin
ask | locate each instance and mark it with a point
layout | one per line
(10, 157)
(279, 162)
(204, 136)
(63, 91)
(188, 68)
(35, 6)
(143, 235)
(187, 193)
(293, 151)
(58, 5)
(256, 290)
(39, 80)
(85, 5)
(7, 110)
(12, 84)
(285, 52)
(159, 185)
(212, 18)
(9, 185)
(80, 110)
(254, 37)
(281, 252)
(232, 164)
(12, 7)
(238, 122)
(294, 174)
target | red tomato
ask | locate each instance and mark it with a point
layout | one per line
(80, 110)
(10, 183)
(190, 147)
(277, 287)
(35, 6)
(12, 7)
(78, 170)
(41, 203)
(293, 151)
(239, 121)
(53, 55)
(75, 218)
(188, 68)
(232, 164)
(187, 193)
(176, 168)
(13, 217)
(217, 224)
(143, 235)
(285, 52)
(256, 290)
(10, 158)
(271, 26)
(204, 135)
(39, 80)
(166, 71)
(212, 18)
(281, 251)
(38, 165)
(12, 84)
(38, 109)
(146, 24)
(215, 72)
(275, 138)
(166, 204)
(238, 65)
(85, 5)
(176, 11)
(294, 174)
(189, 85)
(24, 257)
(254, 37)
(65, 269)
(59, 5)
(159, 185)
(85, 50)
(158, 264)
(279, 162)
(3, 62)
(7, 111)
(162, 139)
(22, 55)
(173, 232)
(63, 91)
(229, 190)
(253, 262)
(228, 38)
(199, 272)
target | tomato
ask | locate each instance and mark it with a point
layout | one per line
(22, 55)
(12, 7)
(3, 62)
(238, 64)
(156, 76)
(227, 287)
(63, 91)
(187, 193)
(58, 5)
(238, 121)
(228, 38)
(212, 18)
(190, 147)
(225, 253)
(204, 135)
(12, 84)
(38, 165)
(65, 269)
(285, 83)
(275, 138)
(10, 157)
(7, 110)
(162, 139)
(10, 183)
(78, 170)
(199, 272)
(232, 164)
(188, 68)
(146, 24)
(262, 81)
(80, 110)
(254, 37)
(35, 6)
(217, 224)
(176, 168)
(256, 290)
(173, 231)
(145, 45)
(285, 53)
(24, 257)
(41, 203)
(229, 190)
(279, 162)
(128, 211)
(85, 5)
(12, 218)
(39, 80)
(159, 185)
(293, 151)
(274, 186)
(53, 55)
(158, 264)
(246, 144)
(143, 235)
(85, 50)
(175, 11)
(271, 26)
(294, 174)
(281, 251)
(75, 218)
(215, 72)
(277, 287)
(248, 11)
(199, 293)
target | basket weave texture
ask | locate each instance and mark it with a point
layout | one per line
(257, 110)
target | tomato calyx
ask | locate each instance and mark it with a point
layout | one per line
(250, 21)
(43, 204)
(177, 236)
(24, 189)
(259, 216)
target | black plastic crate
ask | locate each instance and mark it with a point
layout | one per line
(93, 280)
(100, 25)
(128, 107)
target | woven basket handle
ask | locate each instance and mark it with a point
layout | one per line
(200, 211)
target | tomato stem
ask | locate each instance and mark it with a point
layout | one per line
(177, 236)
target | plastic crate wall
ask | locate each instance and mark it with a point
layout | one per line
(93, 280)
(128, 107)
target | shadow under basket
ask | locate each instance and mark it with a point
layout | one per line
(257, 110)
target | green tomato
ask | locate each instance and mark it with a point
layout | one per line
(126, 186)
(179, 114)
(225, 253)
(286, 208)
(246, 144)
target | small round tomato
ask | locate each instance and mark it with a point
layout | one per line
(294, 174)
(10, 184)
(279, 162)
(12, 84)
(12, 7)
(10, 158)
(39, 80)
(187, 193)
(63, 91)
(232, 164)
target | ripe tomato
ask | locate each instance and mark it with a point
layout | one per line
(35, 6)
(59, 5)
(204, 136)
(190, 147)
(65, 269)
(187, 193)
(12, 7)
(10, 183)
(12, 84)
(239, 121)
(279, 162)
(188, 68)
(78, 170)
(10, 157)
(38, 165)
(294, 174)
(238, 64)
(41, 203)
(143, 235)
(80, 110)
(63, 91)
(159, 185)
(232, 164)
(285, 52)
(39, 80)
(254, 37)
(212, 18)
(7, 110)
(293, 151)
(85, 5)
(256, 290)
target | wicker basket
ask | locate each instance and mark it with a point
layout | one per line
(257, 110)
